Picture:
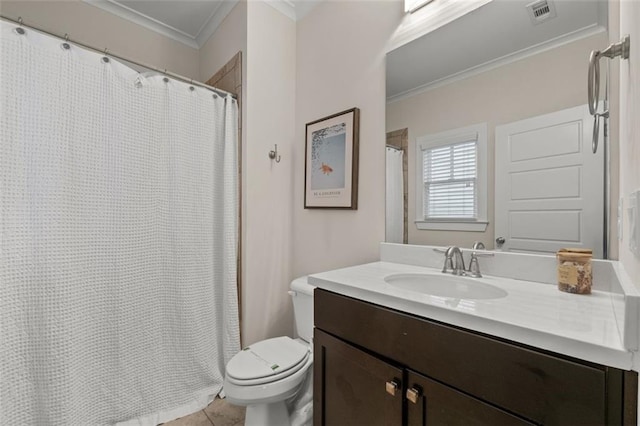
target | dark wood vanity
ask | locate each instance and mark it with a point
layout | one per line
(378, 366)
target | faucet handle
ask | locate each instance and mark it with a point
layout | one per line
(481, 254)
(474, 266)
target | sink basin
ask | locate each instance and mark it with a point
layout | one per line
(446, 286)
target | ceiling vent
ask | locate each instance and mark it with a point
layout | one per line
(541, 10)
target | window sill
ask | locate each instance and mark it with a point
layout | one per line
(467, 226)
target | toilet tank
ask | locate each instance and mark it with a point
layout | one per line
(302, 296)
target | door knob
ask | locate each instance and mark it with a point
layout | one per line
(392, 387)
(500, 241)
(414, 393)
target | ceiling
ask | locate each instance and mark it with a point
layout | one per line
(191, 22)
(496, 32)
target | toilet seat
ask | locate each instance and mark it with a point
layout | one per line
(267, 361)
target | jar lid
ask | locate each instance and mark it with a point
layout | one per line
(575, 253)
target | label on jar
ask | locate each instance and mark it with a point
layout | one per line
(568, 274)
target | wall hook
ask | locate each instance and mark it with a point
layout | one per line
(274, 154)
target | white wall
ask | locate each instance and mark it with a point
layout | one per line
(91, 25)
(532, 86)
(270, 106)
(630, 127)
(341, 64)
(229, 38)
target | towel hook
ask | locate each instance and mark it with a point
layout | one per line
(273, 154)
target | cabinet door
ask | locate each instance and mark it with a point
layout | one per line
(432, 403)
(352, 387)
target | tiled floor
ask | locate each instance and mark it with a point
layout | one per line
(218, 413)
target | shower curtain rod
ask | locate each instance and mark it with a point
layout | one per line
(106, 52)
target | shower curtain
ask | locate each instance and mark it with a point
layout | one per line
(118, 202)
(394, 229)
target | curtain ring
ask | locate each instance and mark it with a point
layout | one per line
(65, 45)
(19, 30)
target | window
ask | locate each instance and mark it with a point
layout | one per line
(451, 180)
(449, 176)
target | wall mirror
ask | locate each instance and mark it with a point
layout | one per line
(489, 136)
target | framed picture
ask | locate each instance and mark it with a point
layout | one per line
(331, 162)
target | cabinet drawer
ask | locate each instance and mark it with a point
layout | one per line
(540, 387)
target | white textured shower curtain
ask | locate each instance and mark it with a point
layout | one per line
(394, 197)
(118, 201)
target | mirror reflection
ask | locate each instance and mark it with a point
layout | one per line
(488, 131)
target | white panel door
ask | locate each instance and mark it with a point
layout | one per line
(549, 184)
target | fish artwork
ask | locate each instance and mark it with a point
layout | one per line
(326, 169)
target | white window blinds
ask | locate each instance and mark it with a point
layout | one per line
(450, 180)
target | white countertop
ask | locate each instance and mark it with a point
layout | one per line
(533, 313)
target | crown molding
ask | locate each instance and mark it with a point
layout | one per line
(214, 21)
(141, 19)
(293, 9)
(429, 18)
(207, 30)
(576, 35)
(286, 7)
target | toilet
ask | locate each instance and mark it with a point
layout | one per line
(264, 375)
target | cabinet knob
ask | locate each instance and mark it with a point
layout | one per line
(414, 393)
(392, 387)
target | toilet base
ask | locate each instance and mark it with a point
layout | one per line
(274, 414)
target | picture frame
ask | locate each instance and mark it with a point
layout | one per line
(331, 161)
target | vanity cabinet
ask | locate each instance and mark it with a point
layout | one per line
(374, 365)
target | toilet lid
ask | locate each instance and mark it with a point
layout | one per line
(267, 360)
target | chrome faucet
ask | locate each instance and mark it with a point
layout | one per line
(454, 261)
